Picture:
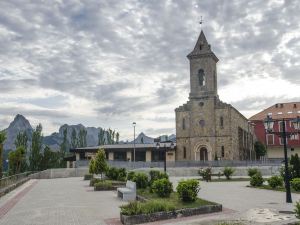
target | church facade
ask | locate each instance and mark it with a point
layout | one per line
(207, 128)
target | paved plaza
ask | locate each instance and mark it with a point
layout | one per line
(71, 201)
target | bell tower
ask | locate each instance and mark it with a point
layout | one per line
(203, 70)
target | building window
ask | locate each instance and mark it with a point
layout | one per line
(184, 152)
(270, 139)
(201, 77)
(281, 141)
(294, 137)
(183, 123)
(222, 151)
(280, 125)
(221, 122)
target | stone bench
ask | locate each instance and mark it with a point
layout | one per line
(128, 193)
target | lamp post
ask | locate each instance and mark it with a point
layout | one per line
(269, 123)
(165, 153)
(134, 124)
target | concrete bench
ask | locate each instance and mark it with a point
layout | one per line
(128, 193)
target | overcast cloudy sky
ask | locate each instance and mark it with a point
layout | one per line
(109, 63)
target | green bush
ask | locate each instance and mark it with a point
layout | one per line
(297, 210)
(93, 181)
(130, 175)
(114, 173)
(256, 180)
(141, 180)
(88, 176)
(296, 184)
(205, 173)
(252, 171)
(136, 208)
(162, 187)
(188, 189)
(103, 185)
(228, 171)
(156, 175)
(275, 181)
(282, 172)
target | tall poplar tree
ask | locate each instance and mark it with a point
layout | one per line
(74, 139)
(35, 155)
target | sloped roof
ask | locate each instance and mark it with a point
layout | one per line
(287, 110)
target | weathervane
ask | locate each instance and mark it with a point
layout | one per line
(201, 22)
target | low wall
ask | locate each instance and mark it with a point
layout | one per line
(176, 172)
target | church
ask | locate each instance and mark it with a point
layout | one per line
(207, 128)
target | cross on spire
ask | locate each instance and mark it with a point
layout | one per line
(201, 22)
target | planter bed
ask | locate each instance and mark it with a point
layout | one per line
(146, 218)
(182, 209)
(113, 188)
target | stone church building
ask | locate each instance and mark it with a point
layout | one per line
(206, 127)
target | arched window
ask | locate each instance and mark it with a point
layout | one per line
(221, 122)
(223, 151)
(183, 123)
(201, 77)
(184, 152)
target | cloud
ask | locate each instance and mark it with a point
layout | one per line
(105, 63)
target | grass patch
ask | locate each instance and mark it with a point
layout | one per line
(174, 200)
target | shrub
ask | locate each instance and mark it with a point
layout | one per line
(88, 176)
(252, 171)
(282, 172)
(93, 181)
(275, 181)
(162, 187)
(130, 175)
(141, 180)
(156, 175)
(100, 164)
(103, 185)
(122, 174)
(205, 173)
(228, 171)
(256, 180)
(188, 189)
(112, 173)
(136, 208)
(297, 210)
(296, 184)
(91, 166)
(295, 165)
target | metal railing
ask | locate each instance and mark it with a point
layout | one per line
(220, 163)
(7, 181)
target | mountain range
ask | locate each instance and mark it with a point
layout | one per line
(21, 124)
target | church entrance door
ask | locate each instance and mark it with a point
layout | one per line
(202, 154)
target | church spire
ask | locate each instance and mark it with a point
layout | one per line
(202, 48)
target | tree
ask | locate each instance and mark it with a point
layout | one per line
(295, 163)
(117, 137)
(74, 140)
(101, 137)
(35, 150)
(2, 139)
(91, 166)
(50, 159)
(21, 140)
(100, 164)
(260, 149)
(17, 160)
(82, 138)
(64, 148)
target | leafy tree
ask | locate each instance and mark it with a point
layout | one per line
(50, 159)
(17, 160)
(91, 166)
(64, 147)
(82, 138)
(260, 149)
(35, 150)
(74, 140)
(100, 164)
(21, 140)
(117, 137)
(101, 137)
(2, 139)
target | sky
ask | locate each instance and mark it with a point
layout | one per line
(108, 63)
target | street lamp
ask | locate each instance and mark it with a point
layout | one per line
(269, 124)
(165, 153)
(134, 124)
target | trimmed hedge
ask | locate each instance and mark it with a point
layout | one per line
(103, 185)
(130, 175)
(114, 173)
(141, 180)
(275, 181)
(188, 190)
(256, 180)
(93, 181)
